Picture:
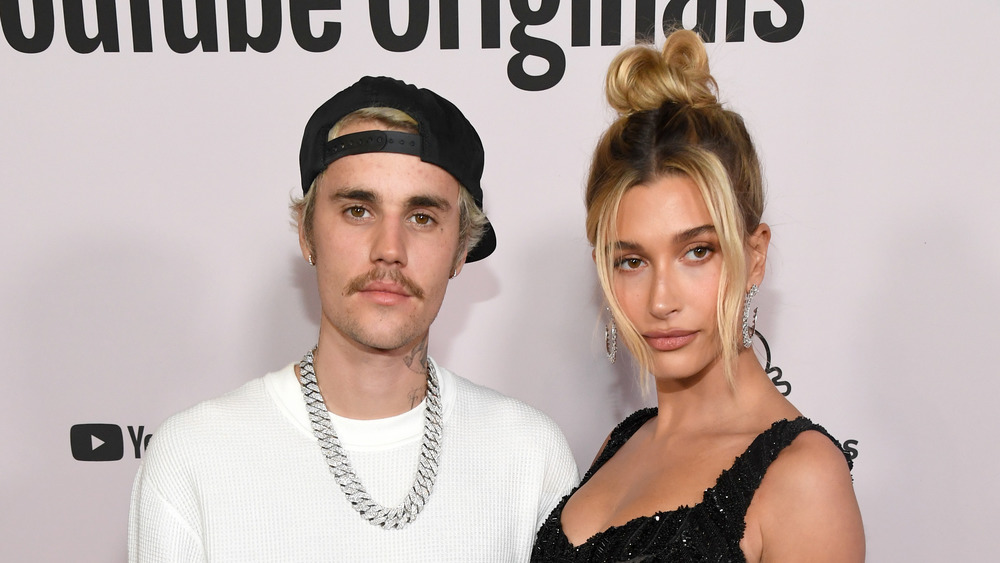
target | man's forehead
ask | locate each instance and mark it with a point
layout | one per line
(388, 178)
(361, 194)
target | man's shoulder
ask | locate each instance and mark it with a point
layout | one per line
(480, 396)
(240, 401)
(496, 410)
(229, 416)
(504, 434)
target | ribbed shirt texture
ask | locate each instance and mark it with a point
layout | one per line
(242, 478)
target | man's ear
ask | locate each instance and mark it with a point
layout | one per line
(459, 264)
(757, 245)
(307, 252)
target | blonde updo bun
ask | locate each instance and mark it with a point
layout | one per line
(642, 78)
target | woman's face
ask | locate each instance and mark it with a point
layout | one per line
(667, 267)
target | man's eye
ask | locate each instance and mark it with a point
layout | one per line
(422, 219)
(357, 212)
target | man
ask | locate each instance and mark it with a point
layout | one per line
(367, 450)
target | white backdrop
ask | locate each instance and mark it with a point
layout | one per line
(148, 262)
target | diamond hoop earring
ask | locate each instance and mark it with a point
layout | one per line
(312, 262)
(749, 327)
(611, 336)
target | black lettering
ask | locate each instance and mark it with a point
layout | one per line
(107, 27)
(298, 13)
(763, 23)
(736, 18)
(784, 387)
(13, 30)
(206, 34)
(416, 25)
(270, 26)
(526, 45)
(580, 23)
(611, 22)
(645, 21)
(448, 13)
(491, 24)
(136, 440)
(850, 450)
(705, 13)
(142, 34)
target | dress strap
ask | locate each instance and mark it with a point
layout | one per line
(736, 486)
(618, 437)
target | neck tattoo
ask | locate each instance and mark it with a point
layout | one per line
(340, 465)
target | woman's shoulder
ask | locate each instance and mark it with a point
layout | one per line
(801, 461)
(796, 437)
(814, 448)
(806, 502)
(812, 464)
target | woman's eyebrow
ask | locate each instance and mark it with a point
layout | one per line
(695, 232)
(679, 238)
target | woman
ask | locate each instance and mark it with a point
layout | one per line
(674, 201)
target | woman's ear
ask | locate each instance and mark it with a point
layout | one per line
(757, 253)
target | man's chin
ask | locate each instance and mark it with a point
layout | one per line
(379, 334)
(382, 343)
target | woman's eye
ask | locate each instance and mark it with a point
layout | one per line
(700, 253)
(629, 263)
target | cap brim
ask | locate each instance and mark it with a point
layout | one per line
(485, 247)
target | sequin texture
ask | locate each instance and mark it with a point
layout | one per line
(708, 531)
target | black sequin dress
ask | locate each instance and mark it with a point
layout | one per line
(708, 531)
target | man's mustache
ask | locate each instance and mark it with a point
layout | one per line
(378, 274)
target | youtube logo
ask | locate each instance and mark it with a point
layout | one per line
(96, 442)
(105, 442)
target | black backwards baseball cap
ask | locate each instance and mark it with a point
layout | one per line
(446, 139)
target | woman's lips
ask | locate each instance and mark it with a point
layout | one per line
(669, 341)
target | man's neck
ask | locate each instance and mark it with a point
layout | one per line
(363, 383)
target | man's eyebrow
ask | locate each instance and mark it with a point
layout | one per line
(356, 194)
(689, 234)
(428, 201)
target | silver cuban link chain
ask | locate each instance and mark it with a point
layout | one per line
(340, 465)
